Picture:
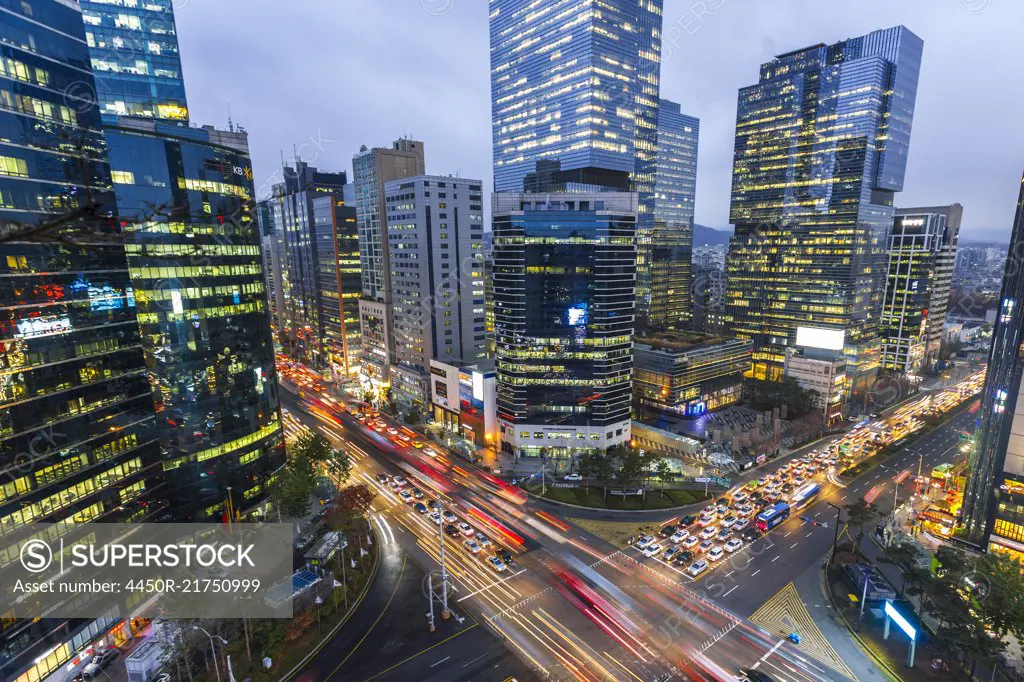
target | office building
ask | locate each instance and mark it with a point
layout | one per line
(675, 186)
(688, 374)
(564, 305)
(821, 149)
(993, 508)
(578, 86)
(314, 258)
(922, 251)
(435, 227)
(464, 400)
(185, 196)
(371, 170)
(135, 60)
(823, 372)
(78, 437)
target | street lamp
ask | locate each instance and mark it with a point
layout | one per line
(213, 649)
(835, 538)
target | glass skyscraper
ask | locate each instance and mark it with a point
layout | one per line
(78, 440)
(564, 304)
(135, 60)
(577, 83)
(993, 510)
(821, 148)
(193, 244)
(675, 187)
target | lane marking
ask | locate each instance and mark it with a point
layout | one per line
(440, 662)
(776, 558)
(767, 654)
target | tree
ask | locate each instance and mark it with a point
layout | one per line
(313, 446)
(292, 492)
(632, 466)
(352, 502)
(904, 556)
(858, 514)
(664, 473)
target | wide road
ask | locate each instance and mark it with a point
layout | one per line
(572, 607)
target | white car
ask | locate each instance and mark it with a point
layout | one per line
(739, 497)
(679, 536)
(573, 477)
(406, 496)
(728, 522)
(733, 545)
(482, 540)
(670, 553)
(435, 517)
(466, 529)
(430, 452)
(449, 517)
(706, 520)
(497, 564)
(715, 553)
(643, 541)
(690, 542)
(652, 549)
(400, 481)
(708, 533)
(393, 431)
(471, 546)
(697, 567)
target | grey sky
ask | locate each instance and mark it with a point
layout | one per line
(335, 74)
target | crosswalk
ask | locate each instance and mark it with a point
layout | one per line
(785, 613)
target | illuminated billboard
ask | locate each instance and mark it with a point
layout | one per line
(813, 337)
(577, 315)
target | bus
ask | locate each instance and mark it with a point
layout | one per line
(770, 518)
(805, 495)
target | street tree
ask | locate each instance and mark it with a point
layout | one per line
(664, 473)
(859, 513)
(904, 556)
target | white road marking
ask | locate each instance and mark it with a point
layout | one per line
(440, 662)
(776, 558)
(767, 654)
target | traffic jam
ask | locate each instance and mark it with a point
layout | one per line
(696, 543)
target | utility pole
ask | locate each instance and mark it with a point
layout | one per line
(445, 613)
(835, 539)
(430, 599)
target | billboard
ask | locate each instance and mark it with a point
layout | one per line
(813, 337)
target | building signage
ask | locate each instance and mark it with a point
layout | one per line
(900, 621)
(627, 492)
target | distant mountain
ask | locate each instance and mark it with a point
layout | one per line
(982, 236)
(709, 236)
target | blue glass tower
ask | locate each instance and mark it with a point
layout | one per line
(576, 83)
(134, 50)
(821, 148)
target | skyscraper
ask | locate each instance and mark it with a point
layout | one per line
(564, 303)
(371, 170)
(993, 508)
(134, 50)
(186, 197)
(78, 440)
(577, 83)
(435, 230)
(821, 149)
(339, 282)
(922, 250)
(675, 186)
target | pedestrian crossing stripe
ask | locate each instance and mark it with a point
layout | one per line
(784, 613)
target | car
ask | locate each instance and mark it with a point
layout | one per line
(100, 662)
(466, 529)
(733, 545)
(750, 534)
(705, 546)
(752, 675)
(729, 521)
(667, 531)
(420, 507)
(744, 510)
(724, 535)
(710, 509)
(505, 556)
(393, 485)
(690, 542)
(643, 541)
(497, 564)
(684, 557)
(708, 532)
(417, 493)
(402, 437)
(435, 517)
(435, 505)
(393, 431)
(406, 496)
(740, 525)
(739, 497)
(400, 480)
(430, 452)
(572, 477)
(679, 536)
(383, 478)
(670, 553)
(722, 502)
(452, 530)
(417, 444)
(652, 549)
(449, 516)
(706, 520)
(482, 540)
(472, 546)
(697, 567)
(688, 520)
(715, 553)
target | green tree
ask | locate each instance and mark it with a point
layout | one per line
(858, 514)
(664, 473)
(313, 446)
(904, 556)
(293, 491)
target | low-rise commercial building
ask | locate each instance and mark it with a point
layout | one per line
(824, 372)
(464, 400)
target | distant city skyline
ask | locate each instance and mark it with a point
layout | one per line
(436, 87)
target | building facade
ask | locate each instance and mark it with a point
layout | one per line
(821, 149)
(922, 251)
(579, 86)
(823, 372)
(689, 375)
(993, 508)
(197, 273)
(464, 400)
(78, 437)
(435, 230)
(564, 305)
(372, 169)
(339, 284)
(135, 60)
(675, 187)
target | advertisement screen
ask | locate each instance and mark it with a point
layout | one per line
(813, 337)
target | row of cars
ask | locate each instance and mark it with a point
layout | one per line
(475, 542)
(398, 437)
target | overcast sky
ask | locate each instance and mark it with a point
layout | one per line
(327, 76)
